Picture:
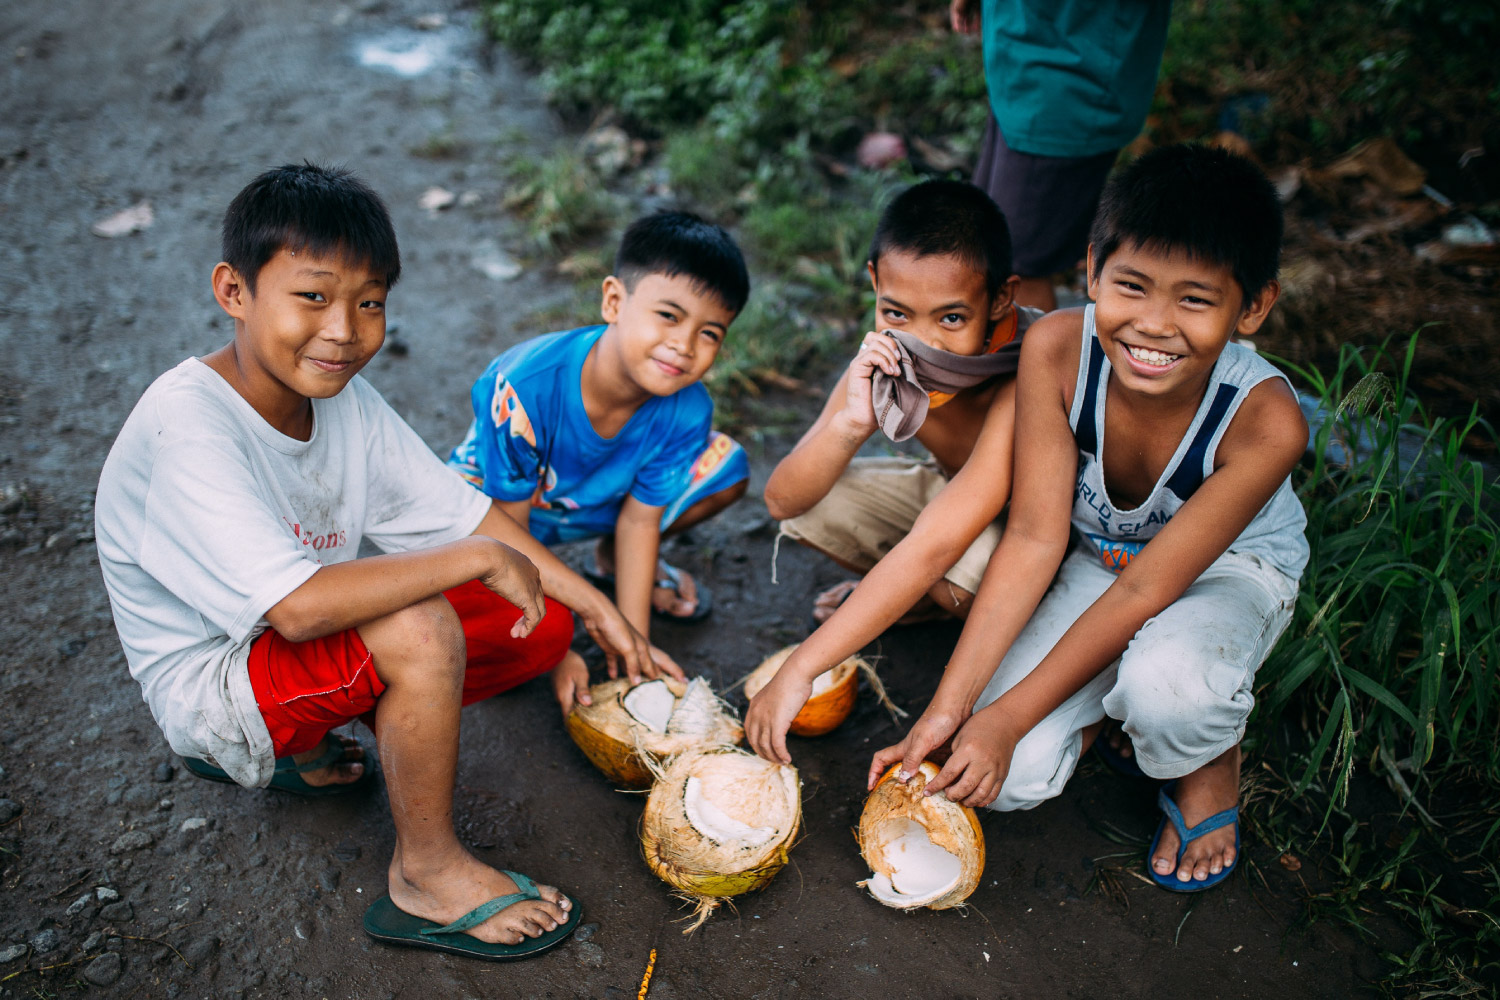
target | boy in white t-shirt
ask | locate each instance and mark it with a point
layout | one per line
(229, 515)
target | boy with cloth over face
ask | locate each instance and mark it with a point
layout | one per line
(229, 517)
(1162, 450)
(937, 370)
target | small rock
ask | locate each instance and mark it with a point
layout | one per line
(45, 941)
(118, 913)
(9, 810)
(469, 199)
(131, 220)
(304, 930)
(589, 954)
(134, 840)
(164, 805)
(347, 851)
(492, 262)
(118, 781)
(200, 950)
(76, 907)
(105, 894)
(435, 199)
(93, 941)
(163, 772)
(431, 22)
(256, 860)
(586, 932)
(328, 879)
(2, 773)
(161, 955)
(11, 952)
(192, 823)
(105, 969)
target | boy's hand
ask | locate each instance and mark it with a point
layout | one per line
(876, 351)
(931, 731)
(514, 577)
(661, 663)
(621, 643)
(570, 683)
(981, 759)
(771, 713)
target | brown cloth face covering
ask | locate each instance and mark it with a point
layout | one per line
(901, 403)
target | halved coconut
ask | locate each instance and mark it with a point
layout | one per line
(656, 718)
(719, 822)
(833, 692)
(923, 850)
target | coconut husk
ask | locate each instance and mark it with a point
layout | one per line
(748, 790)
(832, 699)
(949, 825)
(620, 746)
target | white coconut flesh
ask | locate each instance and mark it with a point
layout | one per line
(651, 705)
(921, 871)
(717, 825)
(697, 711)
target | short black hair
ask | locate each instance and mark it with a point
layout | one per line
(1199, 200)
(670, 243)
(945, 217)
(323, 210)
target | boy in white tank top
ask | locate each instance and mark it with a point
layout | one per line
(1151, 480)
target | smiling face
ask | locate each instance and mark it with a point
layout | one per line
(664, 333)
(938, 299)
(310, 325)
(1163, 319)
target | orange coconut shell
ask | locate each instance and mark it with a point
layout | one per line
(824, 711)
(949, 825)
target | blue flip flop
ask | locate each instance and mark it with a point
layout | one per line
(387, 923)
(288, 776)
(1117, 761)
(671, 578)
(1186, 836)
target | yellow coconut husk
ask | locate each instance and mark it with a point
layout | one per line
(888, 813)
(619, 746)
(707, 866)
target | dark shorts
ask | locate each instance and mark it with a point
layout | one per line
(304, 689)
(1048, 201)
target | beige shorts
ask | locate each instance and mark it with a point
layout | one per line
(873, 506)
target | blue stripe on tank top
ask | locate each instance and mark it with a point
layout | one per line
(1087, 431)
(1189, 475)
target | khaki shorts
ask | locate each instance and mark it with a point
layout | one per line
(873, 506)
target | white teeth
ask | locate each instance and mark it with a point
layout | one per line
(1152, 357)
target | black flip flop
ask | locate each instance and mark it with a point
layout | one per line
(387, 923)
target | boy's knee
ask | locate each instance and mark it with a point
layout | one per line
(1038, 770)
(1171, 711)
(426, 635)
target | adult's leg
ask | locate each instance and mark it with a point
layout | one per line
(419, 655)
(1183, 693)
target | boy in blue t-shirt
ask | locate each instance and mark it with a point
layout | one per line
(605, 432)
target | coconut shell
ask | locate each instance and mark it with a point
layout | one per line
(614, 741)
(949, 825)
(751, 790)
(826, 709)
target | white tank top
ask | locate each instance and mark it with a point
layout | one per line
(1275, 535)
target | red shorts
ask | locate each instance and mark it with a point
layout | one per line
(304, 689)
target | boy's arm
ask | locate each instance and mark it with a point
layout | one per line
(349, 594)
(940, 536)
(1257, 453)
(622, 644)
(847, 421)
(1031, 548)
(637, 539)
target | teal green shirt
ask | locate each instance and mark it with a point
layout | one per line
(1072, 77)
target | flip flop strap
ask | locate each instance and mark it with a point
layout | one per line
(332, 755)
(485, 911)
(670, 576)
(1185, 834)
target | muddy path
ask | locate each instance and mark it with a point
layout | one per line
(121, 874)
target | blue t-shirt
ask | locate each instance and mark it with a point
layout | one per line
(530, 424)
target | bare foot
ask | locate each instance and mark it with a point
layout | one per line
(676, 602)
(826, 603)
(1212, 788)
(448, 891)
(1115, 736)
(340, 772)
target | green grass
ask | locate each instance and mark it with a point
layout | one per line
(1388, 674)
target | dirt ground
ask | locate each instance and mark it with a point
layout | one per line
(108, 848)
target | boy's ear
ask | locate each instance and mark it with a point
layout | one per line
(1257, 309)
(1005, 298)
(612, 297)
(230, 290)
(874, 281)
(1091, 273)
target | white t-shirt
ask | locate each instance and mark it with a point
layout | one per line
(207, 517)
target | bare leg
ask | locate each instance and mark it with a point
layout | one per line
(666, 599)
(1212, 788)
(1038, 293)
(419, 654)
